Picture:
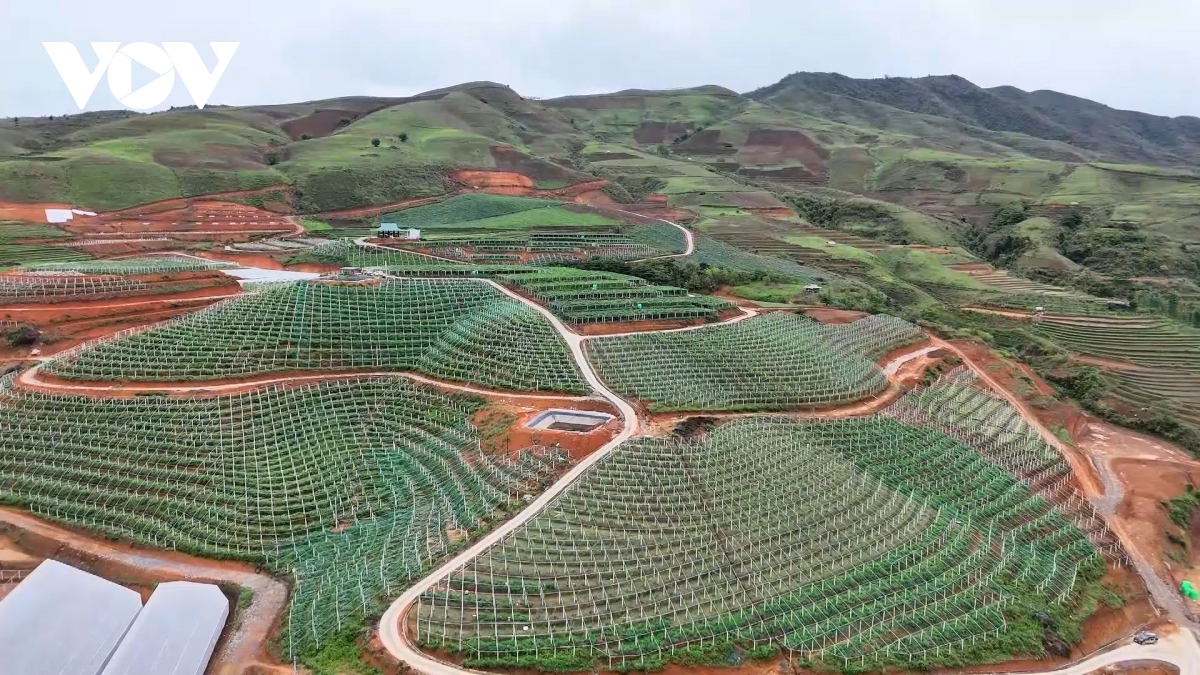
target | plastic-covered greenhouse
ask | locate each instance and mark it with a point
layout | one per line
(175, 634)
(64, 621)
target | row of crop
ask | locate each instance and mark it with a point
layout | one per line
(815, 537)
(769, 362)
(348, 487)
(454, 329)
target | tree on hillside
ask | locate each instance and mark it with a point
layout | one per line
(1196, 318)
(403, 137)
(663, 150)
(375, 142)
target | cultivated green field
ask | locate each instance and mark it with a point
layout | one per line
(348, 488)
(851, 545)
(451, 329)
(771, 362)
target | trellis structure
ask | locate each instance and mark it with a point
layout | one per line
(135, 266)
(584, 296)
(770, 362)
(453, 329)
(16, 288)
(956, 406)
(854, 544)
(353, 487)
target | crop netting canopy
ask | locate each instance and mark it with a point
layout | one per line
(350, 487)
(64, 621)
(854, 543)
(452, 329)
(774, 361)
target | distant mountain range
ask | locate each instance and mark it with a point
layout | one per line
(1117, 135)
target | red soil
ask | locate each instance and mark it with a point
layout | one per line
(833, 316)
(34, 213)
(519, 412)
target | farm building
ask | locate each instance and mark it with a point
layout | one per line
(63, 620)
(389, 230)
(175, 633)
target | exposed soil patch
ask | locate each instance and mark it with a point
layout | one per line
(510, 159)
(782, 146)
(502, 426)
(215, 157)
(833, 316)
(318, 124)
(651, 133)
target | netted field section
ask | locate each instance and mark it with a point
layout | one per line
(349, 487)
(1054, 303)
(1166, 358)
(451, 329)
(719, 254)
(17, 288)
(583, 296)
(31, 254)
(349, 254)
(1152, 344)
(134, 266)
(852, 544)
(536, 247)
(957, 406)
(667, 239)
(769, 362)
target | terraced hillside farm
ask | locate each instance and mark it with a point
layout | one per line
(1154, 362)
(131, 266)
(957, 406)
(580, 296)
(453, 329)
(772, 362)
(849, 544)
(491, 229)
(349, 488)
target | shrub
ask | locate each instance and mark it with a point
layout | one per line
(403, 137)
(375, 142)
(22, 336)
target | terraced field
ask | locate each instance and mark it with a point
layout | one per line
(713, 252)
(1147, 343)
(350, 488)
(134, 266)
(772, 362)
(957, 406)
(12, 255)
(1166, 359)
(765, 244)
(457, 330)
(581, 296)
(852, 544)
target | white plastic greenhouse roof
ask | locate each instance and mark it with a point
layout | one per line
(175, 633)
(63, 621)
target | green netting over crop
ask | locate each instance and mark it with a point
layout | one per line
(148, 265)
(853, 544)
(350, 488)
(453, 329)
(768, 362)
(584, 296)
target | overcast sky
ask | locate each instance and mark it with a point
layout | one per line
(1135, 55)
